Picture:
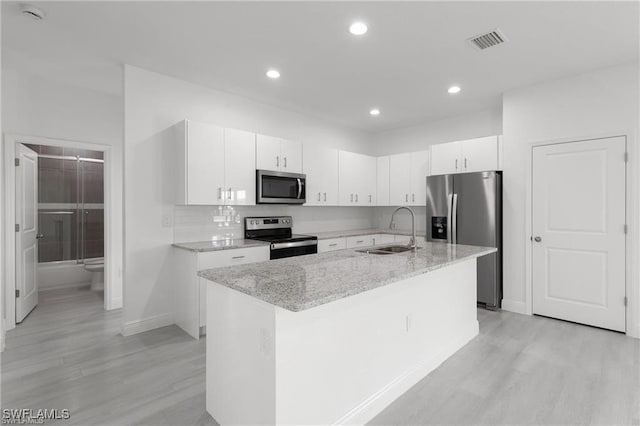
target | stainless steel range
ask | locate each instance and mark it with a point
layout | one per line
(277, 231)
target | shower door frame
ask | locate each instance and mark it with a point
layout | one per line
(112, 244)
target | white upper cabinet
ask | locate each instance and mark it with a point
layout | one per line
(357, 179)
(408, 178)
(382, 177)
(240, 167)
(291, 153)
(445, 158)
(321, 168)
(216, 165)
(203, 163)
(399, 179)
(473, 155)
(419, 170)
(480, 154)
(278, 154)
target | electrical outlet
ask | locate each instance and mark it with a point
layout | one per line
(166, 221)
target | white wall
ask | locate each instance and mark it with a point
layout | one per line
(603, 102)
(34, 106)
(416, 138)
(153, 103)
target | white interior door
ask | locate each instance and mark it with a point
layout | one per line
(579, 232)
(27, 238)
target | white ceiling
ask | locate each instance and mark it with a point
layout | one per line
(412, 53)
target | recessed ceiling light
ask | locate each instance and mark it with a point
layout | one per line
(374, 111)
(32, 12)
(453, 89)
(273, 74)
(358, 28)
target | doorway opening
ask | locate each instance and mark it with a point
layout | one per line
(69, 219)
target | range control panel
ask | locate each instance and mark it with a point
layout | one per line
(255, 223)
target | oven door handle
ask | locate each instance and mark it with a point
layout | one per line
(300, 188)
(276, 246)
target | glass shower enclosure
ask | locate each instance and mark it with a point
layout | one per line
(70, 204)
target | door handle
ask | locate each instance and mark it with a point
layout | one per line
(219, 193)
(356, 198)
(352, 198)
(277, 161)
(318, 196)
(229, 193)
(537, 239)
(454, 214)
(39, 236)
(299, 188)
(325, 196)
(465, 163)
(369, 198)
(285, 162)
(406, 198)
(449, 224)
(413, 198)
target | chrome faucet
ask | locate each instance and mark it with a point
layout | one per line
(412, 241)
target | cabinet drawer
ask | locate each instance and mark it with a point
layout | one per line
(216, 259)
(331, 245)
(360, 241)
(383, 239)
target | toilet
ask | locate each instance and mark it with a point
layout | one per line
(96, 267)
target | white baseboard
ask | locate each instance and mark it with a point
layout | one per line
(140, 326)
(514, 306)
(634, 332)
(377, 402)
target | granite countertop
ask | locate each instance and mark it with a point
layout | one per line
(200, 246)
(358, 232)
(303, 282)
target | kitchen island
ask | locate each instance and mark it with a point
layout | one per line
(333, 338)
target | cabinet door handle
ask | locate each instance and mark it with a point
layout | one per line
(318, 196)
(413, 198)
(285, 162)
(352, 198)
(369, 197)
(465, 163)
(356, 198)
(229, 192)
(277, 161)
(219, 193)
(359, 241)
(456, 164)
(406, 198)
(325, 196)
(238, 257)
(333, 245)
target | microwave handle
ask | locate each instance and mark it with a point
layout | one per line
(300, 186)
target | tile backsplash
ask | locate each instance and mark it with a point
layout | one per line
(204, 223)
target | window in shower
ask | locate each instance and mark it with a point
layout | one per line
(70, 204)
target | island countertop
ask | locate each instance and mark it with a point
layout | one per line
(303, 282)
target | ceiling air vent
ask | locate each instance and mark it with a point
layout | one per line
(487, 40)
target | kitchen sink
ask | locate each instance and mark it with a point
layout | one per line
(386, 250)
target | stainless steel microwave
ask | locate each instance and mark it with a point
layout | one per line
(280, 187)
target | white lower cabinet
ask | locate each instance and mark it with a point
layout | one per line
(383, 239)
(360, 241)
(332, 244)
(190, 290)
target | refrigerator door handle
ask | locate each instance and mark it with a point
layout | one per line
(454, 214)
(449, 223)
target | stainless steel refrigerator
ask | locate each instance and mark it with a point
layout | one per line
(466, 208)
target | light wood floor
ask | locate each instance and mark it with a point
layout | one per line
(521, 370)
